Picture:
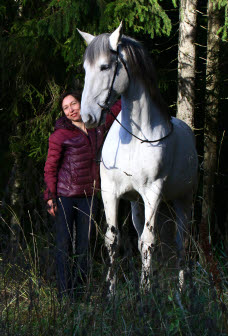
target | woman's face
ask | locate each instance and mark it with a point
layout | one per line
(72, 108)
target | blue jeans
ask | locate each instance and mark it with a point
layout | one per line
(72, 256)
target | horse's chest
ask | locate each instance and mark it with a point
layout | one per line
(132, 166)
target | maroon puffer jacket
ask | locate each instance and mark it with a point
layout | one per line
(71, 168)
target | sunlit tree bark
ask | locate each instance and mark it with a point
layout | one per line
(186, 61)
(211, 111)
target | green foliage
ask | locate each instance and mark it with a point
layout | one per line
(145, 17)
(174, 3)
(223, 6)
(35, 142)
(40, 45)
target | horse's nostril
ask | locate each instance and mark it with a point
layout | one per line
(87, 118)
(102, 106)
(90, 118)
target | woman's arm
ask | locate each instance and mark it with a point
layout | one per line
(52, 165)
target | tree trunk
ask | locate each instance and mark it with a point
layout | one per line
(186, 62)
(16, 199)
(211, 112)
(16, 205)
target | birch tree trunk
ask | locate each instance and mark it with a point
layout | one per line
(211, 111)
(186, 61)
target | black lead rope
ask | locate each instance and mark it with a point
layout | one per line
(106, 106)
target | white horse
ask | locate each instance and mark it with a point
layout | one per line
(146, 152)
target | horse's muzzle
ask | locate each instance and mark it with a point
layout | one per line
(104, 106)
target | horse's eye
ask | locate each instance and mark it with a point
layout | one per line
(104, 67)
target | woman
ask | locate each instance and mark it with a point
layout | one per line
(71, 175)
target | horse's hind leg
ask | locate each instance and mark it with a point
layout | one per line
(183, 209)
(111, 237)
(165, 229)
(138, 216)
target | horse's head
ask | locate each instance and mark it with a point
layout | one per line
(105, 78)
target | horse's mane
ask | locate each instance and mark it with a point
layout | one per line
(138, 62)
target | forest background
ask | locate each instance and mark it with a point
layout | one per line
(41, 55)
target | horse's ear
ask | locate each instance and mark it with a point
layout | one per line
(115, 37)
(87, 37)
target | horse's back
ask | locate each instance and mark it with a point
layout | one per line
(184, 174)
(183, 127)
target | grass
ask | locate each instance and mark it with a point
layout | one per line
(29, 306)
(29, 303)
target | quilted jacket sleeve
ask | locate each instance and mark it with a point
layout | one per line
(116, 108)
(51, 166)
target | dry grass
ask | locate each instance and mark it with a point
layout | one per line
(29, 303)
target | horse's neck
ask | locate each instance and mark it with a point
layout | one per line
(140, 114)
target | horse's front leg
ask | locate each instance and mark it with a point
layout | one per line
(147, 238)
(112, 237)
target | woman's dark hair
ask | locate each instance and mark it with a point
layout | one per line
(77, 94)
